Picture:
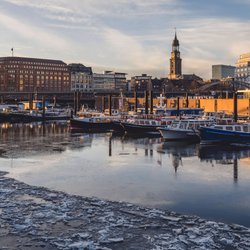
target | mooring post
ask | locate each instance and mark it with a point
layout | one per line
(215, 105)
(235, 170)
(43, 103)
(54, 101)
(151, 101)
(30, 101)
(103, 104)
(235, 107)
(187, 101)
(110, 104)
(146, 102)
(75, 103)
(136, 101)
(178, 106)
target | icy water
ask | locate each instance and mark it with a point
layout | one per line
(211, 182)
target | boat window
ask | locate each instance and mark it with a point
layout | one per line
(147, 122)
(237, 128)
(229, 128)
(190, 125)
(174, 125)
(183, 125)
(218, 127)
(245, 129)
(141, 122)
(153, 123)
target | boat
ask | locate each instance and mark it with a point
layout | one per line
(23, 116)
(183, 129)
(145, 125)
(95, 124)
(238, 133)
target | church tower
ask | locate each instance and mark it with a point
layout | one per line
(175, 60)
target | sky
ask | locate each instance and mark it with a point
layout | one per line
(130, 36)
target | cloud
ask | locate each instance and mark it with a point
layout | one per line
(32, 33)
(127, 35)
(97, 8)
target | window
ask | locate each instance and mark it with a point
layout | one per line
(245, 129)
(237, 128)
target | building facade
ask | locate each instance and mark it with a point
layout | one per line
(175, 60)
(20, 74)
(121, 82)
(141, 83)
(220, 71)
(81, 77)
(109, 81)
(242, 71)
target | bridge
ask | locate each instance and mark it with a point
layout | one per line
(234, 83)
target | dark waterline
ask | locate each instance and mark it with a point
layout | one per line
(212, 182)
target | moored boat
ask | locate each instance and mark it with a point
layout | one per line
(238, 133)
(93, 124)
(146, 126)
(187, 129)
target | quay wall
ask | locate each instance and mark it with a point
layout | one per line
(209, 105)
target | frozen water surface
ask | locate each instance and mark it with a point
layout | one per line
(210, 182)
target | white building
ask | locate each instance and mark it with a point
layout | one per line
(242, 72)
(81, 78)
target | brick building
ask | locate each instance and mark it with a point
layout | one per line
(21, 74)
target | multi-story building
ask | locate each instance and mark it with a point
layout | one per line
(175, 60)
(220, 71)
(121, 82)
(20, 74)
(141, 83)
(109, 81)
(242, 72)
(81, 77)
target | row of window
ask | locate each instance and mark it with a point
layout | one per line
(37, 63)
(36, 67)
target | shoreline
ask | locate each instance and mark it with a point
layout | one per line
(39, 218)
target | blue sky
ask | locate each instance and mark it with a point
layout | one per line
(132, 36)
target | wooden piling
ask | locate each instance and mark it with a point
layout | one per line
(235, 107)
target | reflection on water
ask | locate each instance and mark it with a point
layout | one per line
(211, 182)
(20, 140)
(223, 155)
(178, 150)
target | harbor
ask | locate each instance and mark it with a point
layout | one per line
(179, 190)
(124, 125)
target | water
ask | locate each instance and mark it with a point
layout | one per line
(212, 182)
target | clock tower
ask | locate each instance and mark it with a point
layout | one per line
(175, 60)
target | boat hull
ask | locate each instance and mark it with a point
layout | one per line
(136, 129)
(211, 135)
(178, 135)
(90, 127)
(26, 117)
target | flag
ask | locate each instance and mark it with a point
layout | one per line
(12, 49)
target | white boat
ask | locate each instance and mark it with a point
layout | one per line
(187, 129)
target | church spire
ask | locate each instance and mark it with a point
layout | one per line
(175, 60)
(175, 44)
